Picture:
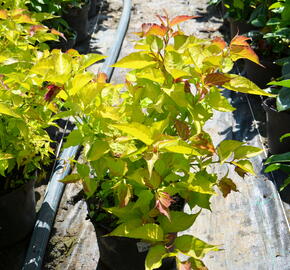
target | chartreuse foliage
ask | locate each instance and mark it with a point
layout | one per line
(30, 77)
(144, 142)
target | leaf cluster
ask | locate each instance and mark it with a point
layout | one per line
(30, 77)
(144, 141)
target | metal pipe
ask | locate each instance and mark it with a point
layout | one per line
(52, 197)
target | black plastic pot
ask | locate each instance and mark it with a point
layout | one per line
(278, 123)
(121, 253)
(262, 75)
(77, 18)
(17, 214)
(93, 8)
(63, 44)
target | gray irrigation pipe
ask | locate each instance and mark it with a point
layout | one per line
(52, 197)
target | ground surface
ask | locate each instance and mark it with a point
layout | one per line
(250, 225)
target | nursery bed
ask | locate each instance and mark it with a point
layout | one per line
(252, 225)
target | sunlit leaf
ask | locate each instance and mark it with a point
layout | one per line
(136, 60)
(193, 247)
(182, 18)
(244, 85)
(97, 150)
(217, 79)
(137, 131)
(6, 110)
(245, 165)
(154, 257)
(227, 148)
(71, 178)
(179, 221)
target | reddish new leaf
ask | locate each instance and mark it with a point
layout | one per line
(218, 41)
(3, 14)
(55, 32)
(216, 79)
(240, 40)
(182, 18)
(185, 266)
(102, 77)
(53, 90)
(34, 28)
(163, 202)
(240, 48)
(157, 30)
(23, 18)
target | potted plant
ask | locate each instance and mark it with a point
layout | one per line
(270, 43)
(76, 14)
(281, 162)
(145, 152)
(24, 113)
(277, 115)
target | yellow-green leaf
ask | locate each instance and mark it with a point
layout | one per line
(245, 151)
(136, 60)
(154, 257)
(245, 165)
(244, 85)
(193, 247)
(150, 232)
(97, 150)
(137, 131)
(6, 110)
(71, 178)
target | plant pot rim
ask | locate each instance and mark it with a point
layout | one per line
(268, 108)
(5, 196)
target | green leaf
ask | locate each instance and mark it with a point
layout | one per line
(71, 178)
(89, 186)
(136, 60)
(144, 199)
(193, 247)
(246, 152)
(83, 170)
(277, 166)
(200, 199)
(117, 166)
(137, 131)
(97, 150)
(283, 99)
(245, 165)
(150, 232)
(179, 221)
(243, 85)
(74, 138)
(285, 157)
(5, 110)
(218, 101)
(227, 148)
(154, 257)
(285, 184)
(202, 182)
